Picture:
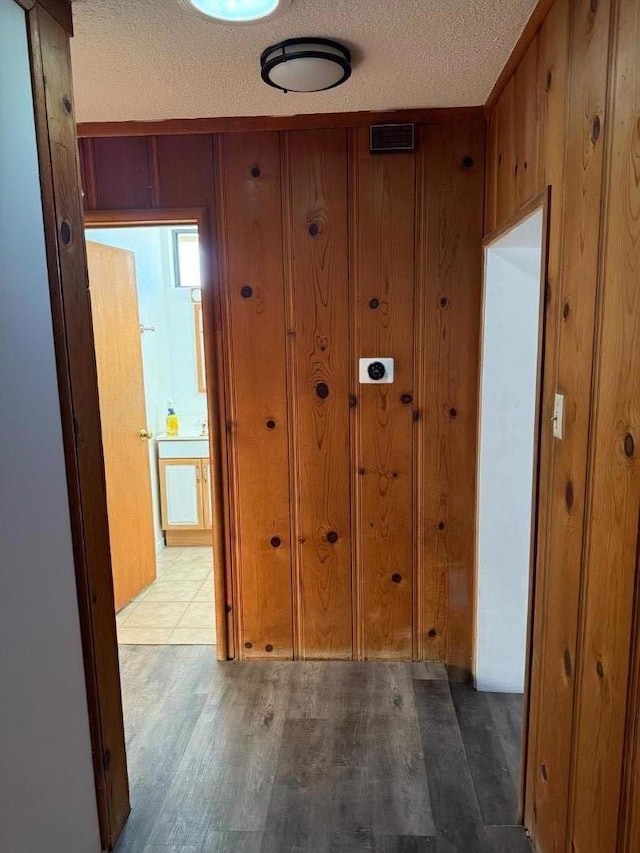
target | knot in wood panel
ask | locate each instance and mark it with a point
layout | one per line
(569, 495)
(629, 444)
(568, 668)
(65, 232)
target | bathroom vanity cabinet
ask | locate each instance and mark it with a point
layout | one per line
(185, 490)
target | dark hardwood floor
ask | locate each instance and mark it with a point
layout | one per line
(322, 757)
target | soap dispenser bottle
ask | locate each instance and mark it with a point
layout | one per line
(173, 425)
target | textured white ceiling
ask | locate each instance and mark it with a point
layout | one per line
(154, 59)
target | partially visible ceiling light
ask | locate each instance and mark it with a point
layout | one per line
(238, 11)
(306, 64)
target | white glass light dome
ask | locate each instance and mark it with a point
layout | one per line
(238, 11)
(306, 65)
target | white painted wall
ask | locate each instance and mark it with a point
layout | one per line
(506, 455)
(169, 353)
(47, 795)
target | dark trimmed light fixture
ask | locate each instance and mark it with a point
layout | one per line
(305, 64)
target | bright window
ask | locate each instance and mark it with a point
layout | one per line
(186, 257)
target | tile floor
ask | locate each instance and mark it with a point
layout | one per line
(178, 608)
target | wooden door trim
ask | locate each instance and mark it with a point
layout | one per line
(79, 410)
(628, 814)
(541, 201)
(60, 10)
(216, 403)
(198, 321)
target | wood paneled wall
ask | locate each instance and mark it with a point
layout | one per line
(352, 507)
(569, 118)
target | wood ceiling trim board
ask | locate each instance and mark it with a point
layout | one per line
(242, 124)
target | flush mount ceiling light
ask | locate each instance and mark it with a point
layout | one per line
(305, 64)
(238, 11)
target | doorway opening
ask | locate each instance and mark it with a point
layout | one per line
(146, 302)
(508, 439)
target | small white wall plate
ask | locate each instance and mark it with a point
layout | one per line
(375, 371)
(558, 416)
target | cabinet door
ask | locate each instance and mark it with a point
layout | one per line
(181, 494)
(206, 493)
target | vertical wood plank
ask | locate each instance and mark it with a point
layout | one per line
(451, 241)
(122, 172)
(250, 231)
(552, 91)
(87, 174)
(506, 189)
(553, 67)
(185, 170)
(552, 96)
(527, 124)
(614, 489)
(315, 191)
(559, 605)
(385, 246)
(491, 177)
